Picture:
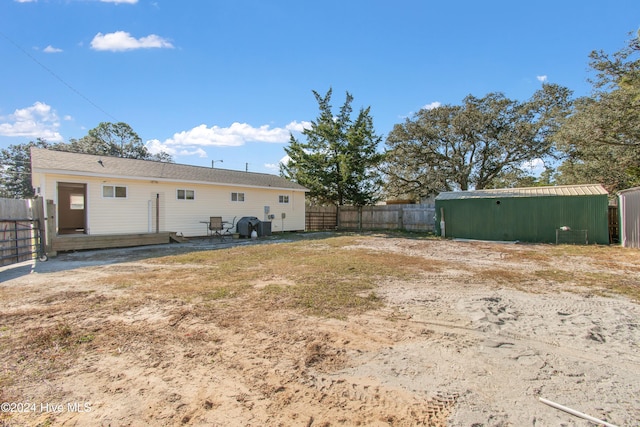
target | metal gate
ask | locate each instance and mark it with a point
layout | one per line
(20, 240)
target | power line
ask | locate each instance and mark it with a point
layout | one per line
(60, 79)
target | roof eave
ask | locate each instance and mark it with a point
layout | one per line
(157, 179)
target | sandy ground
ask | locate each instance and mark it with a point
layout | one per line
(443, 350)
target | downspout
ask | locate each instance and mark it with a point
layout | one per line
(157, 212)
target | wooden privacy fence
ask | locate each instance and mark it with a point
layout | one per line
(319, 218)
(614, 227)
(20, 230)
(380, 217)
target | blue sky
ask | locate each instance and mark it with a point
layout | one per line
(230, 80)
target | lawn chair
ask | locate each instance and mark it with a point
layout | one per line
(228, 226)
(215, 226)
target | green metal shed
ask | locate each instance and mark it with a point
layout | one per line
(559, 214)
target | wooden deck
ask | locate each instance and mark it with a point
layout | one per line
(76, 242)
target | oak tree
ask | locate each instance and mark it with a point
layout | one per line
(108, 139)
(601, 139)
(473, 145)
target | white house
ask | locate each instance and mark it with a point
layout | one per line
(102, 195)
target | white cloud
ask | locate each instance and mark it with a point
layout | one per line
(235, 135)
(120, 1)
(542, 78)
(206, 137)
(155, 146)
(122, 41)
(276, 167)
(51, 49)
(37, 121)
(431, 106)
(535, 166)
(298, 127)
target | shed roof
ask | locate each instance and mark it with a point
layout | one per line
(559, 190)
(629, 190)
(51, 161)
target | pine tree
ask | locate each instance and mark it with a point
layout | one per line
(338, 161)
(15, 170)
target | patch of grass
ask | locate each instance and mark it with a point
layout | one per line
(6, 380)
(501, 276)
(599, 282)
(330, 300)
(337, 276)
(66, 296)
(608, 284)
(533, 254)
(325, 277)
(123, 284)
(555, 275)
(54, 340)
(622, 267)
(222, 292)
(40, 353)
(42, 339)
(627, 287)
(85, 338)
(599, 253)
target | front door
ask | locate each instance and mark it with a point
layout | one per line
(72, 214)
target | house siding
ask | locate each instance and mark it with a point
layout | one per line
(137, 213)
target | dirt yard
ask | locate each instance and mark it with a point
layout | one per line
(323, 330)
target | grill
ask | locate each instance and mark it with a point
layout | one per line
(246, 225)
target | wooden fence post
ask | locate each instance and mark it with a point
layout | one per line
(51, 227)
(37, 213)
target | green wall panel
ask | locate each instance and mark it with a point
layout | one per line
(526, 219)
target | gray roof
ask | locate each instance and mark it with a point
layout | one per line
(629, 190)
(62, 162)
(560, 190)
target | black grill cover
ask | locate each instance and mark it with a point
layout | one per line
(246, 225)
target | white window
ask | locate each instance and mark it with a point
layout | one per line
(186, 194)
(76, 202)
(283, 198)
(237, 197)
(114, 191)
